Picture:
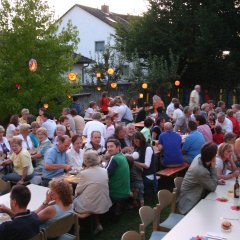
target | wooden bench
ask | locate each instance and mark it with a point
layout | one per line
(172, 171)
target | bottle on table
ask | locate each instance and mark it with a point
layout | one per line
(236, 189)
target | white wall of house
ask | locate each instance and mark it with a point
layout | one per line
(91, 29)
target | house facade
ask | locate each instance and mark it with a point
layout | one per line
(95, 27)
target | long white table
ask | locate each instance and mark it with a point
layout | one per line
(38, 195)
(225, 191)
(206, 216)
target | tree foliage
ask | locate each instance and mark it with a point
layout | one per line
(197, 31)
(28, 30)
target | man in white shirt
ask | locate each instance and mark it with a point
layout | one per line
(194, 96)
(95, 125)
(224, 122)
(177, 113)
(49, 124)
(170, 107)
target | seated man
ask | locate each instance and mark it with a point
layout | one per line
(142, 114)
(200, 178)
(193, 142)
(170, 142)
(120, 134)
(24, 224)
(55, 160)
(95, 143)
(118, 171)
(130, 130)
(182, 122)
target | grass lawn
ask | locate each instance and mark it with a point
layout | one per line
(130, 219)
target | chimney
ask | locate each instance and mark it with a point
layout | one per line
(105, 9)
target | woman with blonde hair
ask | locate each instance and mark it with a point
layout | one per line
(44, 145)
(58, 203)
(224, 162)
(22, 163)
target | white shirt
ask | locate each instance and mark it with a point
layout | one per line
(177, 113)
(26, 144)
(194, 98)
(120, 110)
(148, 159)
(226, 125)
(95, 125)
(89, 112)
(73, 158)
(109, 131)
(10, 129)
(170, 109)
(50, 125)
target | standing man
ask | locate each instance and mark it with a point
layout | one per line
(24, 224)
(118, 172)
(75, 105)
(194, 96)
(55, 160)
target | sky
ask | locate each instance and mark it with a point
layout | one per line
(134, 7)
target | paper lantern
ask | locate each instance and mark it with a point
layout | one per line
(177, 83)
(113, 85)
(32, 65)
(72, 76)
(144, 85)
(110, 71)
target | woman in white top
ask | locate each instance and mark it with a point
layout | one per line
(75, 153)
(24, 135)
(91, 109)
(226, 168)
(12, 129)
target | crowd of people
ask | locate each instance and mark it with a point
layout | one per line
(115, 160)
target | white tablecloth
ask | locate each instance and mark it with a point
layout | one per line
(206, 216)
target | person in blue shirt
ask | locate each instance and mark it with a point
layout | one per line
(75, 105)
(193, 143)
(170, 143)
(55, 160)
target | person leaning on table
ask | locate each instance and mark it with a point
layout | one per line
(55, 160)
(24, 224)
(58, 203)
(200, 178)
